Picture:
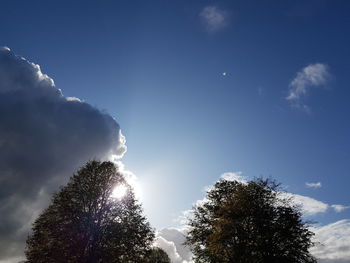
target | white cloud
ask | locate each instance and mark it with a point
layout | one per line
(234, 176)
(339, 208)
(169, 247)
(73, 99)
(2, 48)
(332, 242)
(312, 76)
(214, 18)
(309, 206)
(314, 185)
(171, 241)
(230, 176)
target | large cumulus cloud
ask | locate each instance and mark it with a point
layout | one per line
(333, 242)
(44, 137)
(171, 240)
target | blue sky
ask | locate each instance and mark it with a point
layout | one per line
(157, 67)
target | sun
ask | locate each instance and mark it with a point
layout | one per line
(119, 191)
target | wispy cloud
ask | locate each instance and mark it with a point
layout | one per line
(314, 185)
(311, 206)
(312, 76)
(308, 205)
(214, 18)
(339, 208)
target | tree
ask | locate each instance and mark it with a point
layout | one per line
(86, 224)
(157, 255)
(247, 223)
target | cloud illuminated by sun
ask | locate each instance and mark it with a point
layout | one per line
(119, 191)
(131, 179)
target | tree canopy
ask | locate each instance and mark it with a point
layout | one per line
(247, 223)
(157, 255)
(84, 223)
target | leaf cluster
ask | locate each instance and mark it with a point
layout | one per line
(157, 255)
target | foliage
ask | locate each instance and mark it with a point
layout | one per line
(85, 224)
(247, 223)
(157, 255)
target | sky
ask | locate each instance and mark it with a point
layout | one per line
(199, 89)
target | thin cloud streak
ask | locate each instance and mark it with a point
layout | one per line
(314, 185)
(339, 208)
(312, 76)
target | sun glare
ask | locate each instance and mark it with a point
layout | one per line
(119, 191)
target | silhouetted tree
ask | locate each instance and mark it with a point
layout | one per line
(86, 224)
(157, 255)
(247, 223)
